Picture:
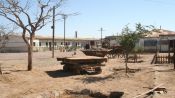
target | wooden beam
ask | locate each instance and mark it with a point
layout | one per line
(152, 90)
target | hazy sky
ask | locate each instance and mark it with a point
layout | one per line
(112, 15)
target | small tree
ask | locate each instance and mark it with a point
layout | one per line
(28, 19)
(129, 38)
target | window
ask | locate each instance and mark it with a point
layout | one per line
(150, 42)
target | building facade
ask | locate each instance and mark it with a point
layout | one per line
(40, 43)
(161, 41)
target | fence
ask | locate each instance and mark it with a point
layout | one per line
(163, 59)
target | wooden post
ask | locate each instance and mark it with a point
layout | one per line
(53, 37)
(156, 58)
(168, 51)
(174, 54)
(0, 69)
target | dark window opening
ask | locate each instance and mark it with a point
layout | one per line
(150, 42)
(46, 43)
(33, 43)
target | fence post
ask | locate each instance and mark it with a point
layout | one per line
(156, 58)
(0, 69)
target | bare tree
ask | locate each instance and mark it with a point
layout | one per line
(5, 33)
(21, 13)
(4, 38)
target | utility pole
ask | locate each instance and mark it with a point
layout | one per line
(53, 36)
(64, 18)
(76, 34)
(101, 30)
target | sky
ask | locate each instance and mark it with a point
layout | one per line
(112, 16)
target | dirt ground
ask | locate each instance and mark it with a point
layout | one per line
(48, 80)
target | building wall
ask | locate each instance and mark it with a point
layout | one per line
(148, 44)
(15, 44)
(46, 44)
(151, 44)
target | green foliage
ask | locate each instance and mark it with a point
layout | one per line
(138, 49)
(129, 38)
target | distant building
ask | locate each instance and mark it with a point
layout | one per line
(45, 43)
(111, 41)
(40, 43)
(161, 41)
(15, 43)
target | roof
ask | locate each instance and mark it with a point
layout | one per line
(161, 32)
(60, 38)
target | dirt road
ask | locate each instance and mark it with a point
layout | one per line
(47, 78)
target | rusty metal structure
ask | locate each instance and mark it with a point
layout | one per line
(83, 65)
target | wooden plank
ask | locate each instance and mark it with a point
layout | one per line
(139, 96)
(60, 58)
(88, 59)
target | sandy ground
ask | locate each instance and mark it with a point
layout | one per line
(47, 80)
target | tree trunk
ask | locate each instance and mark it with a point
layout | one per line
(29, 48)
(30, 53)
(29, 58)
(126, 62)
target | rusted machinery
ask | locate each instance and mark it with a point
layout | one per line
(83, 65)
(96, 52)
(102, 52)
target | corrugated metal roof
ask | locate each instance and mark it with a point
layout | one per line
(161, 32)
(60, 38)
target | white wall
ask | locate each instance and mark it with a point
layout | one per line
(15, 44)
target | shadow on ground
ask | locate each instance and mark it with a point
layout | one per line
(92, 94)
(168, 70)
(58, 73)
(9, 71)
(96, 79)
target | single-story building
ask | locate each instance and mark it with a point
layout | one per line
(41, 43)
(45, 43)
(15, 43)
(161, 41)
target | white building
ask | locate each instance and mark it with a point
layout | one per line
(15, 43)
(40, 43)
(45, 43)
(161, 41)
